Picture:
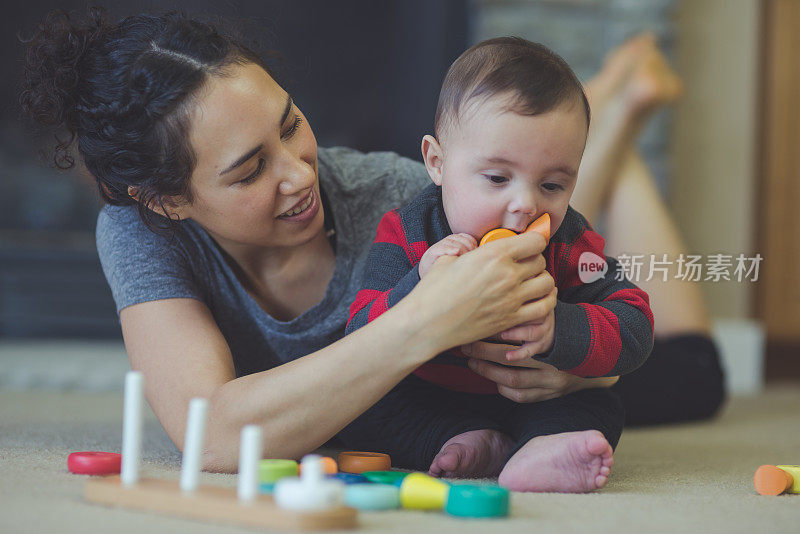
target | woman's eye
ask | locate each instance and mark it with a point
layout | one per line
(496, 180)
(293, 128)
(252, 176)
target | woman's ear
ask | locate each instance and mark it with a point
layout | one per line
(168, 207)
(432, 156)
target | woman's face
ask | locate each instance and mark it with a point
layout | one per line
(255, 180)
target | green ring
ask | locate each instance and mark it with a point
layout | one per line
(270, 471)
(385, 477)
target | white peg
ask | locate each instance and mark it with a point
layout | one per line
(193, 444)
(312, 491)
(132, 428)
(249, 456)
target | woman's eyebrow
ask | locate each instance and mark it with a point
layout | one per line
(252, 152)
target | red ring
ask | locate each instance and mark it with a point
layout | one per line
(94, 463)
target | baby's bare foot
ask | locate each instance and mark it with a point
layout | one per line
(572, 462)
(477, 453)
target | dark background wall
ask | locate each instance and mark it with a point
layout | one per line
(365, 73)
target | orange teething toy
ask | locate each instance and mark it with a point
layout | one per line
(540, 225)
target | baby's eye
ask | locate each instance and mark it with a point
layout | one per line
(552, 187)
(496, 180)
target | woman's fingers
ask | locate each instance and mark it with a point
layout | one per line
(526, 351)
(492, 352)
(528, 395)
(524, 332)
(496, 352)
(519, 246)
(537, 288)
(514, 377)
(484, 291)
(536, 310)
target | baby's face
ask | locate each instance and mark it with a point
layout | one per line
(503, 169)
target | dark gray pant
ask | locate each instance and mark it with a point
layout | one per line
(414, 420)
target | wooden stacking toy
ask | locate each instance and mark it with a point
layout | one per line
(314, 500)
(244, 505)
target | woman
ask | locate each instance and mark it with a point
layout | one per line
(230, 240)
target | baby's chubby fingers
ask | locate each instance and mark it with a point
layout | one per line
(528, 350)
(465, 241)
(482, 351)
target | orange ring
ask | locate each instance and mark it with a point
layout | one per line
(540, 225)
(358, 462)
(328, 466)
(771, 480)
(497, 233)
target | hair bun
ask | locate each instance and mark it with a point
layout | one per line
(52, 67)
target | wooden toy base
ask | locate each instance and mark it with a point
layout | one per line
(211, 503)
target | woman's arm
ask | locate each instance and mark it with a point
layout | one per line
(302, 404)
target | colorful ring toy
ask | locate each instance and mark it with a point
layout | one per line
(349, 478)
(471, 500)
(358, 461)
(540, 225)
(272, 470)
(372, 496)
(94, 463)
(328, 466)
(386, 477)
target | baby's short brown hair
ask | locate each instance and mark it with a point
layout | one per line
(537, 79)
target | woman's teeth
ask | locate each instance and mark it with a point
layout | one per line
(302, 207)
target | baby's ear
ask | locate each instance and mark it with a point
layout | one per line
(432, 156)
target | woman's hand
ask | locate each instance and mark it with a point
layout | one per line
(526, 380)
(535, 337)
(487, 290)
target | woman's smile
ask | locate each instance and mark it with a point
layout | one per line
(303, 211)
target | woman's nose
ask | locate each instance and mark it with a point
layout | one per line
(296, 174)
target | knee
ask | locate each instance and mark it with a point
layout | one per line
(711, 399)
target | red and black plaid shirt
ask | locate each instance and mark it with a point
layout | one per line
(603, 328)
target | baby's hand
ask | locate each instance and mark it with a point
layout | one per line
(452, 245)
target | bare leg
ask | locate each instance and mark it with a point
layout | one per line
(635, 80)
(639, 223)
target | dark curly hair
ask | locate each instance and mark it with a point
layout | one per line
(123, 92)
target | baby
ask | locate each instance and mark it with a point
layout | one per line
(511, 127)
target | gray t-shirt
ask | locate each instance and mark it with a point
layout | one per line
(142, 266)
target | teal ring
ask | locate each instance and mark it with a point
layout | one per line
(372, 497)
(472, 500)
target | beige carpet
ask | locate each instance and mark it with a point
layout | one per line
(687, 478)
